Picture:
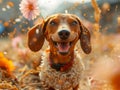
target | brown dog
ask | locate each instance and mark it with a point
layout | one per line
(61, 68)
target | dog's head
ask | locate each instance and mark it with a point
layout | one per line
(62, 31)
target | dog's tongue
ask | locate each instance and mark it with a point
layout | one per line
(63, 47)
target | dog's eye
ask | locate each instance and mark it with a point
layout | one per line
(74, 23)
(53, 23)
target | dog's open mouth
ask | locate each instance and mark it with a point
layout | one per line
(63, 47)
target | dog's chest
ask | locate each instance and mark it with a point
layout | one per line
(60, 80)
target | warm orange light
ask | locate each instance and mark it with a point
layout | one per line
(6, 64)
(30, 7)
(11, 4)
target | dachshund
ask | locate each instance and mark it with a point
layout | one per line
(61, 68)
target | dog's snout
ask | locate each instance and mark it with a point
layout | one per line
(64, 34)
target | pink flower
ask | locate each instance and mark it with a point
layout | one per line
(29, 9)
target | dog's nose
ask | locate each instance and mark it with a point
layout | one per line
(64, 34)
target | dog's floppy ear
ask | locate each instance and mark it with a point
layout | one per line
(84, 38)
(36, 37)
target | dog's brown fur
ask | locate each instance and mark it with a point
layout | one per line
(49, 30)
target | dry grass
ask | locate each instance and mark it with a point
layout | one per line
(101, 66)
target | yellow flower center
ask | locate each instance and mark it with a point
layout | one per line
(30, 7)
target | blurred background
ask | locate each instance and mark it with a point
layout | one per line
(102, 66)
(11, 18)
